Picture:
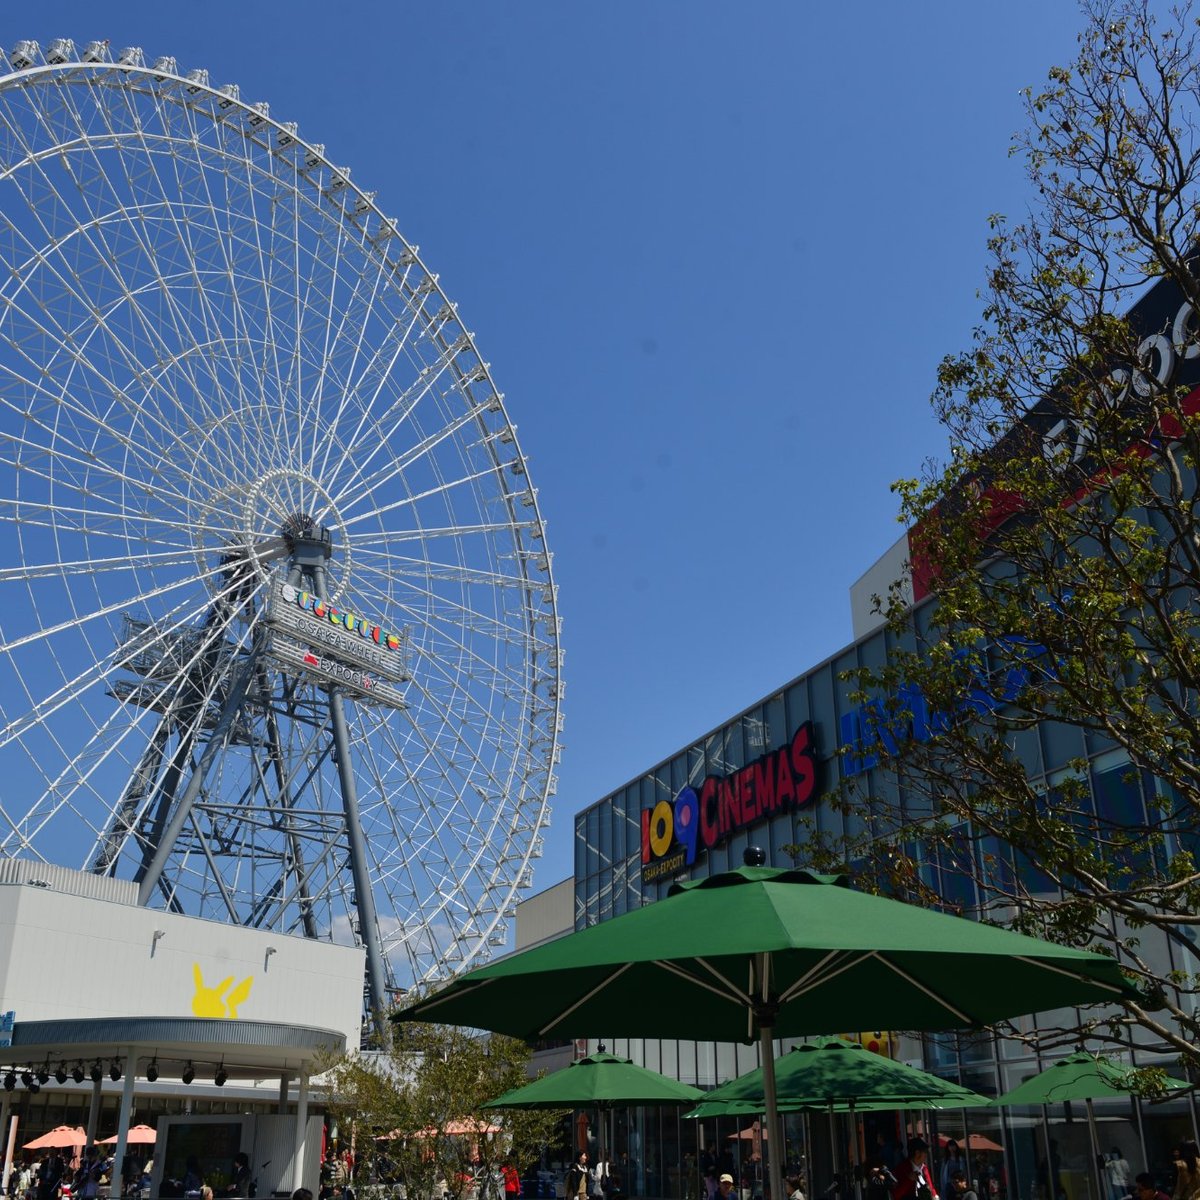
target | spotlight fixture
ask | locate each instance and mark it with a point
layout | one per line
(220, 1077)
(114, 1070)
(43, 1074)
(77, 1072)
(10, 1082)
(60, 1076)
(26, 1077)
(152, 1071)
(97, 1073)
(34, 1087)
(189, 1073)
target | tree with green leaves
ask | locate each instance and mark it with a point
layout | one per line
(417, 1111)
(1036, 728)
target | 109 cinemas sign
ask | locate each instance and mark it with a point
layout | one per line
(673, 832)
(335, 645)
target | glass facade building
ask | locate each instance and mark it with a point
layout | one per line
(626, 856)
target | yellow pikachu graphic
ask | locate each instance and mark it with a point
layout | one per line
(212, 1001)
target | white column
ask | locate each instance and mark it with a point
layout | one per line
(114, 1184)
(94, 1112)
(301, 1130)
(9, 1148)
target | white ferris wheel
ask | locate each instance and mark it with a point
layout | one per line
(278, 635)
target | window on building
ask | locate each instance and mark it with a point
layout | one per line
(1121, 815)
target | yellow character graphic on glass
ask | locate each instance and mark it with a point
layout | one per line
(218, 1001)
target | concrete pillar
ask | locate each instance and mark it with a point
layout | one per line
(127, 1086)
(93, 1113)
(10, 1147)
(301, 1130)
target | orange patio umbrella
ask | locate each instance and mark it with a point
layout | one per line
(977, 1141)
(468, 1128)
(138, 1135)
(59, 1138)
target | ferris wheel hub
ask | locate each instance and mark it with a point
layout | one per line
(282, 513)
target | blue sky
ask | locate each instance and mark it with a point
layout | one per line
(713, 253)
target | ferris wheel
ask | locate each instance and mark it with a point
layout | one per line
(279, 640)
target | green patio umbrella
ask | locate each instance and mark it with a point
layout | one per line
(834, 1073)
(1080, 1076)
(759, 953)
(599, 1081)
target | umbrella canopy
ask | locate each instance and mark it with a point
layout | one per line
(138, 1135)
(727, 956)
(973, 1141)
(468, 1127)
(834, 1072)
(59, 1138)
(599, 1080)
(770, 953)
(749, 1134)
(1080, 1076)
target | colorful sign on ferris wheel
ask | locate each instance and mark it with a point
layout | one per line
(335, 644)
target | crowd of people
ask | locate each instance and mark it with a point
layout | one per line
(57, 1177)
(913, 1178)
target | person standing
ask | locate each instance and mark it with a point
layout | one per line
(241, 1184)
(1118, 1174)
(578, 1179)
(512, 1180)
(1187, 1171)
(597, 1179)
(913, 1180)
(954, 1162)
(50, 1176)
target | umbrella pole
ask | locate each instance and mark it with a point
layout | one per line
(967, 1148)
(1137, 1112)
(774, 1138)
(833, 1149)
(600, 1166)
(854, 1161)
(1048, 1173)
(1091, 1116)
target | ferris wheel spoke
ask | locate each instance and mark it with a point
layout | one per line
(380, 371)
(401, 410)
(97, 671)
(508, 624)
(123, 604)
(357, 316)
(437, 607)
(29, 571)
(366, 485)
(92, 231)
(410, 501)
(406, 567)
(164, 195)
